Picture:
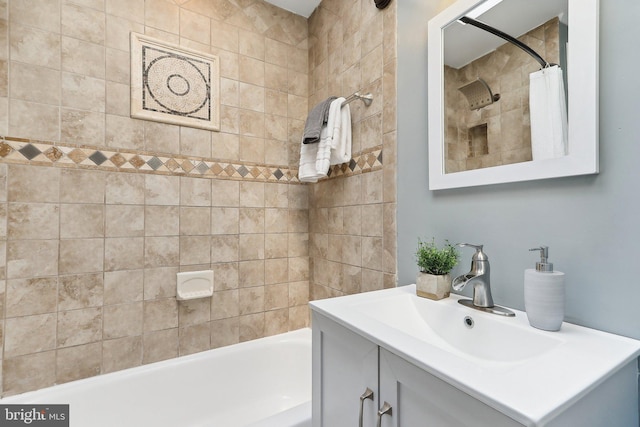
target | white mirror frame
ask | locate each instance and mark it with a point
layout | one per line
(582, 81)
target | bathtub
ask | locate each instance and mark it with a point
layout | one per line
(261, 383)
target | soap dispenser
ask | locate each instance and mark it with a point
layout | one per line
(544, 294)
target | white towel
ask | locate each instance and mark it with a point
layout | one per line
(307, 169)
(328, 137)
(341, 149)
(548, 112)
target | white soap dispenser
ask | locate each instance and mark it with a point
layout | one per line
(544, 294)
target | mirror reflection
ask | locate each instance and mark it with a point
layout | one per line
(501, 104)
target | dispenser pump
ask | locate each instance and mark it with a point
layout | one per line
(543, 266)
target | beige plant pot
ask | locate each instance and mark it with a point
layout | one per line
(432, 286)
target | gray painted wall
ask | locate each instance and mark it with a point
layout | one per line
(590, 223)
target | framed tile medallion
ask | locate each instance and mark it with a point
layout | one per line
(174, 84)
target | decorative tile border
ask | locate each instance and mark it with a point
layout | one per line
(42, 153)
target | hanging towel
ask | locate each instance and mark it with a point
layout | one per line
(307, 169)
(328, 137)
(548, 112)
(315, 120)
(341, 150)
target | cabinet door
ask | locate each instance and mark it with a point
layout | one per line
(419, 399)
(344, 366)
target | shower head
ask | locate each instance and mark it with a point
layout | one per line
(479, 94)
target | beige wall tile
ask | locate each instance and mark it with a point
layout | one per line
(276, 220)
(80, 291)
(32, 258)
(251, 273)
(251, 326)
(26, 297)
(42, 14)
(194, 312)
(250, 70)
(123, 253)
(160, 345)
(195, 27)
(33, 83)
(276, 245)
(33, 221)
(117, 66)
(117, 100)
(130, 9)
(123, 286)
(160, 314)
(81, 256)
(276, 322)
(117, 31)
(81, 220)
(124, 188)
(161, 138)
(195, 192)
(251, 247)
(276, 296)
(77, 327)
(252, 194)
(225, 276)
(225, 193)
(162, 15)
(121, 353)
(195, 338)
(276, 271)
(123, 320)
(161, 190)
(21, 115)
(162, 221)
(81, 127)
(224, 248)
(298, 317)
(161, 251)
(30, 372)
(124, 132)
(29, 334)
(225, 304)
(34, 46)
(124, 221)
(82, 57)
(195, 221)
(298, 269)
(195, 250)
(79, 362)
(251, 124)
(252, 220)
(160, 282)
(276, 195)
(80, 186)
(224, 221)
(83, 23)
(225, 332)
(195, 142)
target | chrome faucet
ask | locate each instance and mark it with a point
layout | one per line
(479, 277)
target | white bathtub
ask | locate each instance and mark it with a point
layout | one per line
(266, 383)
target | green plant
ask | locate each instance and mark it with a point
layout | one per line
(436, 261)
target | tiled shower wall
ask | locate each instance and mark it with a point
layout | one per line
(98, 211)
(506, 135)
(352, 218)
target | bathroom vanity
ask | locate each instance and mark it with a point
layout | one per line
(390, 358)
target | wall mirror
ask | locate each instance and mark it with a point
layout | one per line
(499, 114)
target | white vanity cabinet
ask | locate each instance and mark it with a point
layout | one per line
(442, 364)
(346, 365)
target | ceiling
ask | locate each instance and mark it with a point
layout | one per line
(299, 7)
(465, 43)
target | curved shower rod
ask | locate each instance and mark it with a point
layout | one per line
(507, 37)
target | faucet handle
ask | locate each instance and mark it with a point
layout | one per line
(479, 255)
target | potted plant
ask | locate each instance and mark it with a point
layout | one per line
(433, 280)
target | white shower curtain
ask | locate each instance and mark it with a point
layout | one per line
(548, 112)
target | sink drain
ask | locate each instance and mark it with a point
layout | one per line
(468, 322)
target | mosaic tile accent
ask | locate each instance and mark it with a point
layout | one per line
(23, 151)
(174, 84)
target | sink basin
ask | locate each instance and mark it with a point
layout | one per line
(526, 373)
(483, 338)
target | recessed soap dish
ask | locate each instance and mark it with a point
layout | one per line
(194, 284)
